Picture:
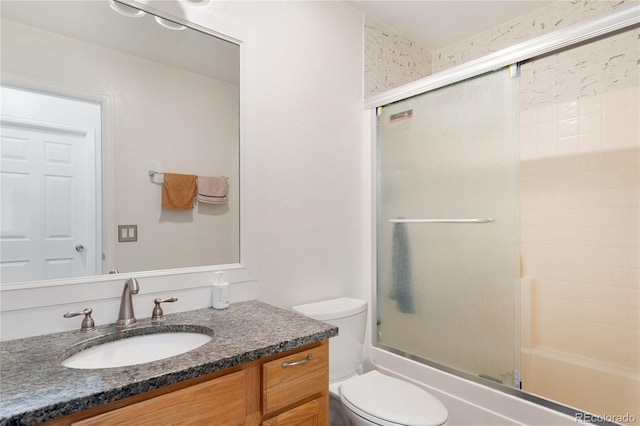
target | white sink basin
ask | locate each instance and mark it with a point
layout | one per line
(136, 350)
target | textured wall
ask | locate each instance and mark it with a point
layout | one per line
(601, 66)
(391, 59)
(540, 21)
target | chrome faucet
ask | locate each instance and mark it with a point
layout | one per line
(126, 317)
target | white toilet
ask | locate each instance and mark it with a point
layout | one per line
(371, 398)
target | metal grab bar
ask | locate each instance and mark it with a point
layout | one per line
(487, 220)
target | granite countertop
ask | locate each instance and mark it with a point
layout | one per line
(35, 387)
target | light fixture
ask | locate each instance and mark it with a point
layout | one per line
(125, 10)
(169, 24)
(198, 2)
(132, 12)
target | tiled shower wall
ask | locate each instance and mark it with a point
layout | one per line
(580, 236)
(579, 195)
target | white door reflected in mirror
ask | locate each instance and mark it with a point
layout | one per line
(50, 187)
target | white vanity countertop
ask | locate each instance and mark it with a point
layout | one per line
(35, 387)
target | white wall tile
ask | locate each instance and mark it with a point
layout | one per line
(582, 203)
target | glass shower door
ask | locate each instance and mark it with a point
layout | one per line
(448, 226)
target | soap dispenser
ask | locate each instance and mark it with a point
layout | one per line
(220, 295)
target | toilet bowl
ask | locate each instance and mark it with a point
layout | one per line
(376, 399)
(371, 398)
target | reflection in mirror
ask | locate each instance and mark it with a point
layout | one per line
(92, 101)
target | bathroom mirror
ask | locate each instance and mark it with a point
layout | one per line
(168, 100)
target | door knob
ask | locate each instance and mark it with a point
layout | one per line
(79, 248)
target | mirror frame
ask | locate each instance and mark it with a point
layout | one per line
(25, 295)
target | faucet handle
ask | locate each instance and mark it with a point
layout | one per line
(157, 314)
(87, 323)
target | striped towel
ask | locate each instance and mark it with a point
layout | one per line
(213, 190)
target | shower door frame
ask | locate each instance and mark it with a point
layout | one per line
(548, 43)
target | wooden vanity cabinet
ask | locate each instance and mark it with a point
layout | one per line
(289, 389)
(217, 401)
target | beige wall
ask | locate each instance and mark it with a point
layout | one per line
(147, 132)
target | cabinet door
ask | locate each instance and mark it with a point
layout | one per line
(313, 413)
(293, 378)
(220, 401)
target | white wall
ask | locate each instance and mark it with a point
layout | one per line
(302, 91)
(304, 83)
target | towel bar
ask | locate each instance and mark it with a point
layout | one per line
(487, 220)
(152, 173)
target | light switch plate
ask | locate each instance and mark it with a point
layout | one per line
(127, 233)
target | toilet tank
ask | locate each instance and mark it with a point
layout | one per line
(350, 316)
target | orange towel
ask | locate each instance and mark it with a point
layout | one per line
(178, 191)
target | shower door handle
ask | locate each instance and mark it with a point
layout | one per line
(479, 220)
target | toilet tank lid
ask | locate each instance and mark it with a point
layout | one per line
(341, 307)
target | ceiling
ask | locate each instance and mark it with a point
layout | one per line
(440, 23)
(434, 23)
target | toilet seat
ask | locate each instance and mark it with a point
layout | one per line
(388, 401)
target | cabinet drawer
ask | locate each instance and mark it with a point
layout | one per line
(219, 401)
(284, 384)
(313, 413)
